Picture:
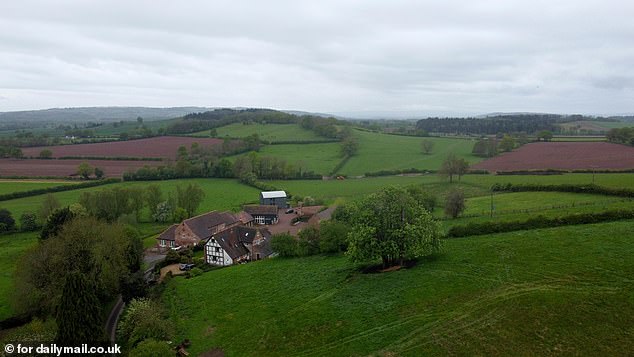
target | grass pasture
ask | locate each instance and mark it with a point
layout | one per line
(221, 194)
(268, 132)
(12, 246)
(320, 158)
(11, 186)
(565, 290)
(379, 151)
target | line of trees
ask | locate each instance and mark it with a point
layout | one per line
(524, 123)
(621, 136)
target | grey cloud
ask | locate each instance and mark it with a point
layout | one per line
(427, 57)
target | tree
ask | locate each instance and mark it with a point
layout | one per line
(153, 196)
(349, 146)
(78, 314)
(332, 236)
(55, 222)
(7, 223)
(85, 170)
(485, 148)
(180, 214)
(137, 201)
(46, 154)
(507, 143)
(181, 153)
(99, 173)
(189, 197)
(547, 135)
(455, 203)
(308, 241)
(163, 212)
(213, 133)
(284, 244)
(453, 166)
(390, 225)
(423, 197)
(28, 222)
(99, 251)
(49, 205)
(427, 146)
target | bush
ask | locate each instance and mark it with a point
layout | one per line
(333, 236)
(28, 222)
(308, 241)
(473, 229)
(7, 223)
(590, 189)
(455, 203)
(284, 244)
(61, 188)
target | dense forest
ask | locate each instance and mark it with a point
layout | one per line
(525, 123)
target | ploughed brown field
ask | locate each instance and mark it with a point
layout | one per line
(157, 147)
(63, 168)
(563, 156)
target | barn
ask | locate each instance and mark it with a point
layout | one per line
(273, 198)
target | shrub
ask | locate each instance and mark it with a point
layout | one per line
(6, 221)
(455, 203)
(284, 244)
(28, 222)
(473, 229)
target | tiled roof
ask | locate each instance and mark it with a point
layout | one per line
(260, 210)
(202, 224)
(168, 234)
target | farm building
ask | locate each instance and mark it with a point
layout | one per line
(237, 245)
(262, 214)
(193, 230)
(273, 198)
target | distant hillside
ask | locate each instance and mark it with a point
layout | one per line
(101, 114)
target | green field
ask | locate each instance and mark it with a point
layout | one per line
(578, 138)
(552, 291)
(11, 247)
(268, 132)
(221, 194)
(11, 186)
(319, 158)
(391, 152)
(473, 185)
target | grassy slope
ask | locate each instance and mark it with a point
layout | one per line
(566, 290)
(473, 185)
(221, 194)
(11, 247)
(389, 152)
(320, 158)
(10, 186)
(269, 132)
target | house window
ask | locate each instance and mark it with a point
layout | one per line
(217, 249)
(259, 219)
(172, 244)
(162, 243)
(257, 256)
(214, 259)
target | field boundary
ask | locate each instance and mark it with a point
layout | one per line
(537, 222)
(61, 188)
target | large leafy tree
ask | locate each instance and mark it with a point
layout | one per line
(189, 197)
(392, 226)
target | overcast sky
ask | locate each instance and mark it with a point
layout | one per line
(362, 57)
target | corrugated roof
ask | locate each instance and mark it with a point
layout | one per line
(273, 194)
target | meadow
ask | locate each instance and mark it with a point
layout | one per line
(10, 186)
(11, 247)
(268, 132)
(553, 291)
(319, 158)
(221, 194)
(379, 151)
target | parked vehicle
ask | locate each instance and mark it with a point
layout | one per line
(185, 267)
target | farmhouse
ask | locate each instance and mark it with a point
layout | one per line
(196, 229)
(273, 198)
(237, 245)
(262, 214)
